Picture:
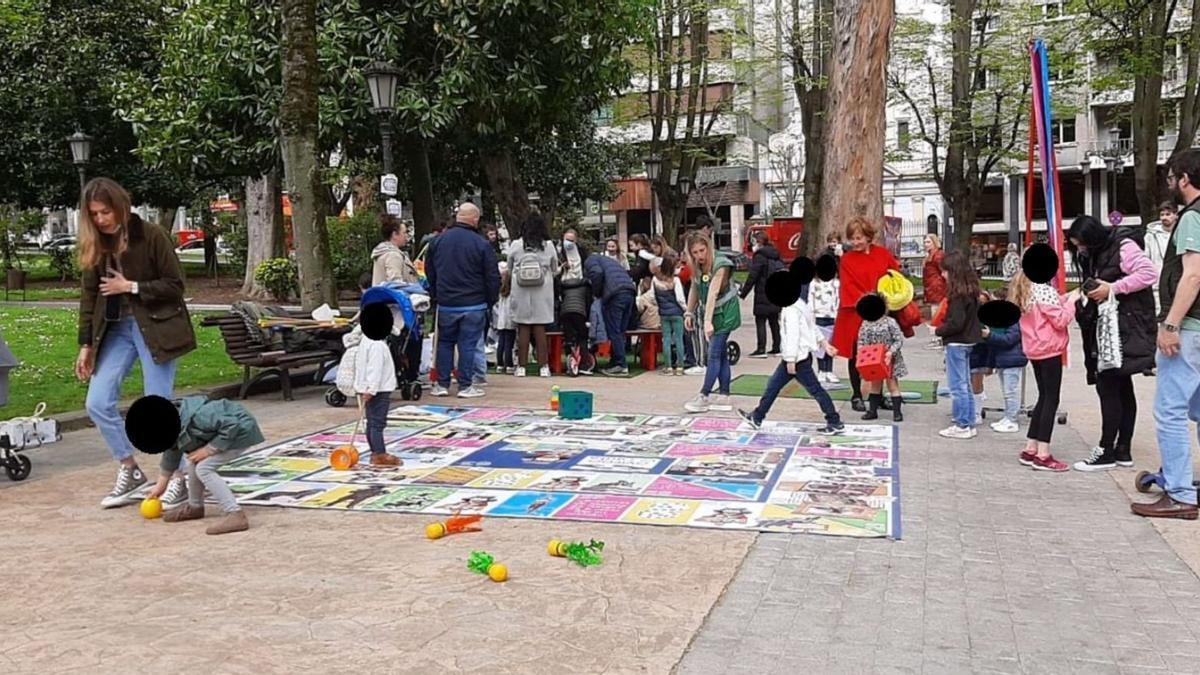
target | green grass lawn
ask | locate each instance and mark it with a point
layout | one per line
(44, 341)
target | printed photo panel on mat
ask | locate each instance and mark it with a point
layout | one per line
(808, 467)
(421, 417)
(406, 499)
(878, 457)
(561, 481)
(507, 479)
(490, 416)
(720, 468)
(617, 483)
(467, 502)
(601, 461)
(693, 488)
(621, 419)
(508, 454)
(596, 507)
(286, 494)
(727, 515)
(531, 504)
(451, 475)
(660, 511)
(796, 518)
(364, 474)
(344, 496)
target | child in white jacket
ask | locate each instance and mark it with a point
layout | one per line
(375, 380)
(800, 340)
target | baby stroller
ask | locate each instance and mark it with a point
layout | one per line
(406, 347)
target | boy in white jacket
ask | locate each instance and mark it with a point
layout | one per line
(800, 339)
(375, 378)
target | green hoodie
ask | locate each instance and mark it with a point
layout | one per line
(223, 424)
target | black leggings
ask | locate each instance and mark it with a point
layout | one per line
(855, 378)
(1118, 409)
(761, 321)
(1048, 374)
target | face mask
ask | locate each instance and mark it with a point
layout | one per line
(568, 245)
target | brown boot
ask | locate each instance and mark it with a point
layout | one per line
(385, 459)
(185, 512)
(1166, 507)
(232, 522)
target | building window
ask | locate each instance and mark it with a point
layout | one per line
(604, 115)
(986, 79)
(903, 135)
(1063, 131)
(1168, 120)
(985, 23)
(1053, 9)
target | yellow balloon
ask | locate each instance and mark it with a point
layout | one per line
(498, 572)
(151, 508)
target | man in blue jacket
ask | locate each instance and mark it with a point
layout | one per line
(464, 281)
(613, 286)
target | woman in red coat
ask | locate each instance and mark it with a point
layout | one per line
(859, 271)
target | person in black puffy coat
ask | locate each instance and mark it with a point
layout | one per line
(766, 260)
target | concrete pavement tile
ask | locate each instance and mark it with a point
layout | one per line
(1138, 658)
(1087, 667)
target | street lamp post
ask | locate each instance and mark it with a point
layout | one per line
(653, 166)
(81, 152)
(381, 81)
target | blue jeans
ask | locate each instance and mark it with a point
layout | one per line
(376, 412)
(617, 310)
(461, 330)
(958, 378)
(1177, 400)
(807, 379)
(481, 357)
(717, 370)
(672, 341)
(1010, 380)
(122, 345)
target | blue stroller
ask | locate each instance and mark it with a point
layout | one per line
(406, 347)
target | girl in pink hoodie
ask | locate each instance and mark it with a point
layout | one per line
(1045, 316)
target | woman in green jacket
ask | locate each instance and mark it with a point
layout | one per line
(131, 309)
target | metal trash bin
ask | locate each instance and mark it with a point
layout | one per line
(7, 363)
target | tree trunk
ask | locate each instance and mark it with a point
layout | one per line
(420, 184)
(1146, 113)
(811, 85)
(264, 228)
(298, 115)
(166, 217)
(487, 205)
(1189, 107)
(855, 123)
(512, 200)
(954, 188)
(363, 193)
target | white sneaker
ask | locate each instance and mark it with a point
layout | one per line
(695, 370)
(831, 378)
(128, 481)
(471, 392)
(697, 405)
(544, 372)
(720, 402)
(1005, 426)
(958, 432)
(519, 371)
(176, 494)
(438, 390)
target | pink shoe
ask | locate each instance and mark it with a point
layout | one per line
(1048, 463)
(1027, 457)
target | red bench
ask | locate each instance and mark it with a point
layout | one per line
(649, 345)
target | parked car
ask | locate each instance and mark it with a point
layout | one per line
(741, 261)
(65, 242)
(193, 252)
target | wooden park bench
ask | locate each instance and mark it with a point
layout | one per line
(649, 344)
(246, 348)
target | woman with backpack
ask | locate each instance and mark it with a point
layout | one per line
(765, 262)
(1114, 267)
(533, 264)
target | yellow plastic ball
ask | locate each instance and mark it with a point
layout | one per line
(498, 572)
(435, 530)
(151, 508)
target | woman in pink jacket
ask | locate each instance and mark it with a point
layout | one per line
(1045, 316)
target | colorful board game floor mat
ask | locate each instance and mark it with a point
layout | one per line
(708, 472)
(914, 391)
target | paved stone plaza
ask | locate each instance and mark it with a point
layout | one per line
(1000, 569)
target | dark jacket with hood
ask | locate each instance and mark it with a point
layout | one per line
(765, 261)
(158, 306)
(607, 277)
(1135, 311)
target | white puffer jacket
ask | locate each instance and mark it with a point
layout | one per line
(374, 370)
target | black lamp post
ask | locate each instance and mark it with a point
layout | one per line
(81, 153)
(381, 81)
(653, 166)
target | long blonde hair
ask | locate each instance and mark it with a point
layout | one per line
(1020, 290)
(699, 238)
(92, 245)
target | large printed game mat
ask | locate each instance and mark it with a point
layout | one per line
(619, 468)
